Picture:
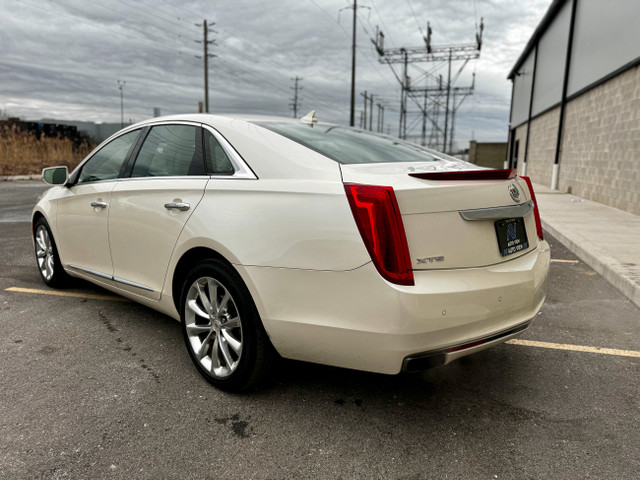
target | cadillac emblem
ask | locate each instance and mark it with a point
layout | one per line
(514, 192)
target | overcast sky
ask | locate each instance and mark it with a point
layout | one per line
(62, 58)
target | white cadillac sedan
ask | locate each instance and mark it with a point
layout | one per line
(270, 236)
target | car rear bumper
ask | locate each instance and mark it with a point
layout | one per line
(437, 358)
(355, 319)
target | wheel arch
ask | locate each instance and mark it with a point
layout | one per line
(195, 255)
(37, 215)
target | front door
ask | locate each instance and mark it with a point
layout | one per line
(82, 213)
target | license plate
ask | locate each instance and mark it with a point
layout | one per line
(512, 236)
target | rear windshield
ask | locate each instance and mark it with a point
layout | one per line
(349, 145)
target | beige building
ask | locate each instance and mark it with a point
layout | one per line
(575, 106)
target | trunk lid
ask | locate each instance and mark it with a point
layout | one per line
(451, 223)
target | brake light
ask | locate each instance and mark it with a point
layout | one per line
(536, 212)
(468, 175)
(375, 210)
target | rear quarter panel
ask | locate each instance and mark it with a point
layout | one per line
(303, 224)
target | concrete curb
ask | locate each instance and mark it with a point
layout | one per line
(15, 178)
(624, 277)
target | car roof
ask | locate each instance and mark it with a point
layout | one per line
(213, 119)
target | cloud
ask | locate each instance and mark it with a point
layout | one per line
(62, 59)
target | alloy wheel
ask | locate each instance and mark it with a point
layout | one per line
(213, 327)
(44, 253)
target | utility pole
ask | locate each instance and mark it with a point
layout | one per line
(423, 136)
(121, 84)
(402, 133)
(371, 112)
(353, 63)
(206, 42)
(380, 118)
(295, 99)
(366, 99)
(446, 108)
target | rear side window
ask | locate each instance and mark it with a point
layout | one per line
(218, 162)
(170, 150)
(106, 163)
(349, 145)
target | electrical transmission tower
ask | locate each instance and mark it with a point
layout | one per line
(206, 56)
(297, 101)
(432, 99)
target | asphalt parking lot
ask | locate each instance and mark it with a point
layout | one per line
(92, 386)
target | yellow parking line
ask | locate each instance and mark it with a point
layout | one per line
(515, 341)
(557, 260)
(575, 348)
(67, 294)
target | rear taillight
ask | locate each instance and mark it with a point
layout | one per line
(378, 218)
(536, 212)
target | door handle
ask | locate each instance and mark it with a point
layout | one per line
(99, 204)
(177, 206)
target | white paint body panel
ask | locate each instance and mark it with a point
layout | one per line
(82, 234)
(291, 235)
(143, 233)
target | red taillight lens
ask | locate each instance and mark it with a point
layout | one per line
(378, 218)
(536, 212)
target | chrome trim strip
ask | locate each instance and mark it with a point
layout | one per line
(92, 272)
(496, 213)
(132, 284)
(111, 277)
(242, 170)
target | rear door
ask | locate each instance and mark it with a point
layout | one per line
(150, 208)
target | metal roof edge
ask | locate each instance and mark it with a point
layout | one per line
(546, 21)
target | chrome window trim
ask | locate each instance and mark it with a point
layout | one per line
(119, 133)
(242, 170)
(168, 177)
(496, 213)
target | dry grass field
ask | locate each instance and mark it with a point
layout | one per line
(21, 153)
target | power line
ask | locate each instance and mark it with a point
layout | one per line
(416, 18)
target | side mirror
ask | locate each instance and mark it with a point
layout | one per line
(55, 175)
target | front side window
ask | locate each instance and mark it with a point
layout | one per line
(218, 162)
(170, 150)
(106, 163)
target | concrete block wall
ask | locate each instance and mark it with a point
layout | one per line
(542, 146)
(487, 154)
(600, 158)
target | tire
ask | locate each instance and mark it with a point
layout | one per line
(47, 257)
(222, 329)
